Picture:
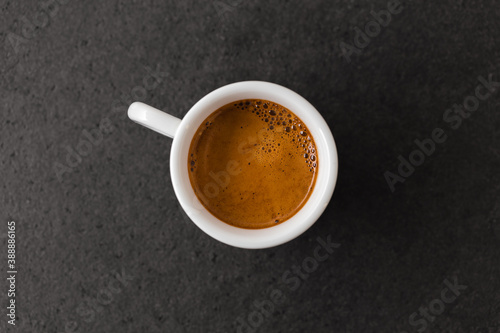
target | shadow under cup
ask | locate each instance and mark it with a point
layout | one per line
(310, 211)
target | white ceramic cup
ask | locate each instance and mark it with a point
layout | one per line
(182, 131)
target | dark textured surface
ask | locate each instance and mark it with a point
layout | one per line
(115, 211)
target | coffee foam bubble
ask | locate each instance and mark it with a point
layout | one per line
(282, 130)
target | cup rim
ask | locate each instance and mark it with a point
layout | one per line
(317, 201)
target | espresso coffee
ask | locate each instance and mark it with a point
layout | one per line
(253, 164)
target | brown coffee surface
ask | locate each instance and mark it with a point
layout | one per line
(253, 164)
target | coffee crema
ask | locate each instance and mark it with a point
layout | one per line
(253, 164)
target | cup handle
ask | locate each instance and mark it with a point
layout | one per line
(154, 119)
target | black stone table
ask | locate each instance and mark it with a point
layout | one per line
(409, 90)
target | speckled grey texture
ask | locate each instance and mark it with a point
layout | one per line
(115, 213)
